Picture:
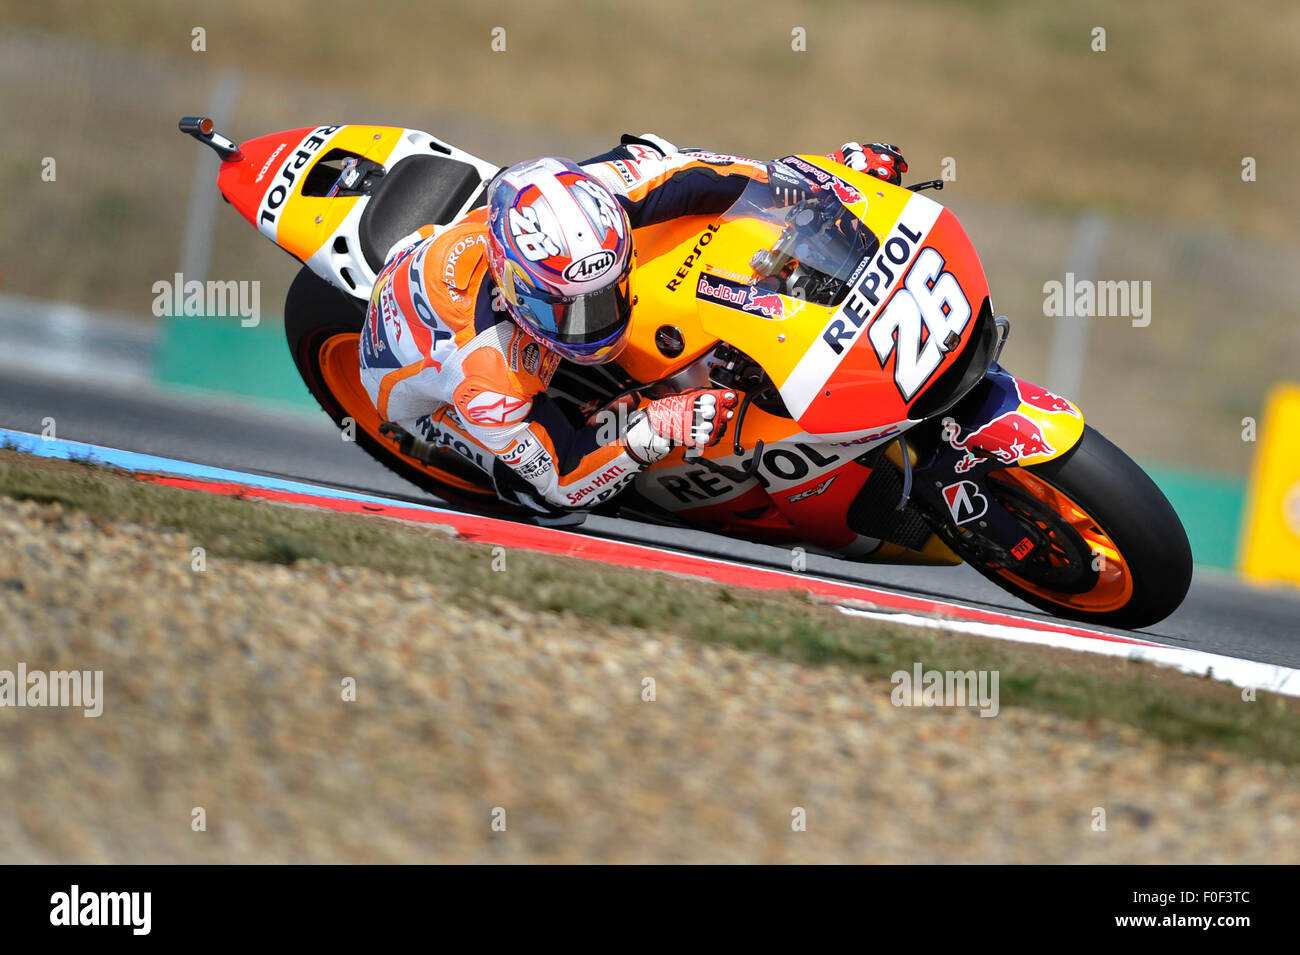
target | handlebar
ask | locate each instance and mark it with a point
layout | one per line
(204, 130)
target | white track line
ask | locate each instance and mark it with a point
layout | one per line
(1243, 673)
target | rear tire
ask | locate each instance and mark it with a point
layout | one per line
(1124, 508)
(322, 326)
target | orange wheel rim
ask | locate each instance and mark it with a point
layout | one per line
(340, 368)
(1114, 584)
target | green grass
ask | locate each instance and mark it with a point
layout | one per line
(1183, 711)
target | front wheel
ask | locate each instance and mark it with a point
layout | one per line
(1109, 548)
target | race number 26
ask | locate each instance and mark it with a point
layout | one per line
(931, 303)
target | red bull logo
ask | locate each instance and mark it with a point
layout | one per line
(1008, 438)
(769, 304)
(720, 290)
(1043, 400)
(744, 297)
(845, 193)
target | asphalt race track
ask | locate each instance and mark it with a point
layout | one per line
(1220, 615)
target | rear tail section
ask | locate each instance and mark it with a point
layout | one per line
(337, 197)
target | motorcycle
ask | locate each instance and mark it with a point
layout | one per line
(876, 422)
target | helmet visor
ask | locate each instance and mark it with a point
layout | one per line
(576, 325)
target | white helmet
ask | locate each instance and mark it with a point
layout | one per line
(560, 249)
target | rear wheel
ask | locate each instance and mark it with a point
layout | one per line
(323, 328)
(1109, 548)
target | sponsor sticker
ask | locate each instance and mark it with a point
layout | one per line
(528, 459)
(450, 278)
(550, 363)
(844, 192)
(531, 357)
(808, 169)
(286, 179)
(965, 502)
(452, 441)
(684, 269)
(1044, 400)
(812, 491)
(743, 298)
(492, 408)
(270, 159)
(1008, 438)
(627, 170)
(590, 266)
(716, 159)
(611, 479)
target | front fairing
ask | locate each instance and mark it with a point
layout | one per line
(1003, 422)
(874, 326)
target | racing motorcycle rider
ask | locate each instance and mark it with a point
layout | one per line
(468, 322)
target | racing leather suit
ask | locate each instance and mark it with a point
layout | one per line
(441, 357)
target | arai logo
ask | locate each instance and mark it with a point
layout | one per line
(590, 266)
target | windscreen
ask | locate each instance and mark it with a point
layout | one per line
(809, 249)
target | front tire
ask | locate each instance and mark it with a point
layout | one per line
(1111, 549)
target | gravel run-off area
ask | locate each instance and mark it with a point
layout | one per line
(224, 689)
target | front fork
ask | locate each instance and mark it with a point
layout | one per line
(1003, 422)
